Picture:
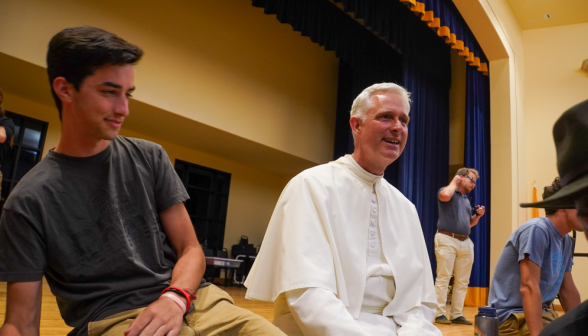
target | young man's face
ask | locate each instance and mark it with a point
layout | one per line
(573, 220)
(101, 105)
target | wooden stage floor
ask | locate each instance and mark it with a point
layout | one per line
(53, 325)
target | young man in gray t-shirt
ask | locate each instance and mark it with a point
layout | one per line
(534, 267)
(102, 217)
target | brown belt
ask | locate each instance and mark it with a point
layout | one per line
(451, 234)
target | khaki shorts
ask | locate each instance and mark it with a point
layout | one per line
(516, 324)
(215, 314)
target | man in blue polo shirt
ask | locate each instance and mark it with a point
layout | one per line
(453, 248)
(535, 265)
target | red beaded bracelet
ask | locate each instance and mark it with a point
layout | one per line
(188, 294)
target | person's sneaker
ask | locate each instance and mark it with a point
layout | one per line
(442, 320)
(461, 320)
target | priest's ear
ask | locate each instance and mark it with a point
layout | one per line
(356, 125)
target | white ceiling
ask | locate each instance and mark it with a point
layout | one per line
(531, 14)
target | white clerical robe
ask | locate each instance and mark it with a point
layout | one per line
(316, 256)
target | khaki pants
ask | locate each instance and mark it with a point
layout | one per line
(454, 257)
(214, 315)
(516, 324)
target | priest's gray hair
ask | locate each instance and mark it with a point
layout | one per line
(363, 102)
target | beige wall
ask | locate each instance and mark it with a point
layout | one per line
(222, 63)
(252, 195)
(554, 82)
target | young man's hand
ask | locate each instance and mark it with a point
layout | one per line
(162, 317)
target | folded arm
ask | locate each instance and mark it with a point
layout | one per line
(23, 309)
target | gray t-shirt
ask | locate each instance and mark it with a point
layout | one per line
(455, 215)
(92, 227)
(539, 239)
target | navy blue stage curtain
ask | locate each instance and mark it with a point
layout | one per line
(406, 33)
(328, 26)
(477, 156)
(424, 164)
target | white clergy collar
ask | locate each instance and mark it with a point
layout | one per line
(356, 169)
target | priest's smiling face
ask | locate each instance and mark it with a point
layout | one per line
(381, 137)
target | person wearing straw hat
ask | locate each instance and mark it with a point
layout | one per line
(570, 134)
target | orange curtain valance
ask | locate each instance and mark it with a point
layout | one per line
(444, 32)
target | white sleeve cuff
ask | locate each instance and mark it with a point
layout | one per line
(319, 312)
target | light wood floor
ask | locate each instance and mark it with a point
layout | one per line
(53, 325)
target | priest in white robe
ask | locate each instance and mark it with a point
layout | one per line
(344, 253)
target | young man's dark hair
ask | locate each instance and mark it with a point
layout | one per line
(75, 53)
(550, 190)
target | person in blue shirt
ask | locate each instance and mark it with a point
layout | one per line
(570, 134)
(534, 267)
